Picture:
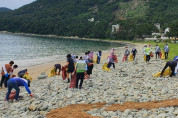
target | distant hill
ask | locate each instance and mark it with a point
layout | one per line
(4, 9)
(71, 17)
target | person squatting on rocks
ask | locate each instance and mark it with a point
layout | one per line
(57, 67)
(99, 56)
(147, 52)
(127, 53)
(166, 50)
(81, 68)
(173, 65)
(70, 66)
(6, 73)
(134, 52)
(15, 83)
(157, 51)
(22, 73)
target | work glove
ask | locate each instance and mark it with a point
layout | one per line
(31, 95)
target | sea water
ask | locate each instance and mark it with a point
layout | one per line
(33, 50)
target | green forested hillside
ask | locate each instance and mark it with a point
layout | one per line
(70, 17)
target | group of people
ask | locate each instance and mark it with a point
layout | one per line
(82, 66)
(165, 51)
(112, 59)
(172, 64)
(148, 52)
(10, 81)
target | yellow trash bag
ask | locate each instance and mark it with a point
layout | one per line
(144, 57)
(131, 57)
(163, 55)
(27, 76)
(95, 61)
(166, 72)
(105, 68)
(51, 73)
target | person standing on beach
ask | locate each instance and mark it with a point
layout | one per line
(14, 67)
(81, 68)
(134, 52)
(90, 54)
(111, 60)
(157, 51)
(99, 56)
(147, 52)
(70, 66)
(15, 83)
(127, 53)
(6, 73)
(166, 50)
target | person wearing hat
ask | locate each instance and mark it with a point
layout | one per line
(15, 83)
(166, 50)
(173, 65)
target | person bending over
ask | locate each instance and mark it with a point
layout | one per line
(57, 67)
(15, 83)
(172, 65)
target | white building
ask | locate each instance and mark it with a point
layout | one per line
(115, 28)
(91, 19)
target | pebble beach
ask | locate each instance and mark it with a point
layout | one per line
(131, 81)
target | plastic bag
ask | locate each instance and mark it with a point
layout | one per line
(163, 56)
(166, 72)
(51, 73)
(6, 75)
(73, 80)
(105, 68)
(64, 75)
(115, 59)
(131, 57)
(144, 57)
(27, 76)
(124, 58)
(151, 54)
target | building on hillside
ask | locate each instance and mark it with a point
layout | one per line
(91, 19)
(156, 34)
(115, 28)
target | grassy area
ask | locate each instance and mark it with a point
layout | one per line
(173, 47)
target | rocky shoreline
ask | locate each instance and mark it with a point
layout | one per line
(130, 81)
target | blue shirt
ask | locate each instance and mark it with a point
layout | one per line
(21, 82)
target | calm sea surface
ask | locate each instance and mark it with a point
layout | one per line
(32, 50)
